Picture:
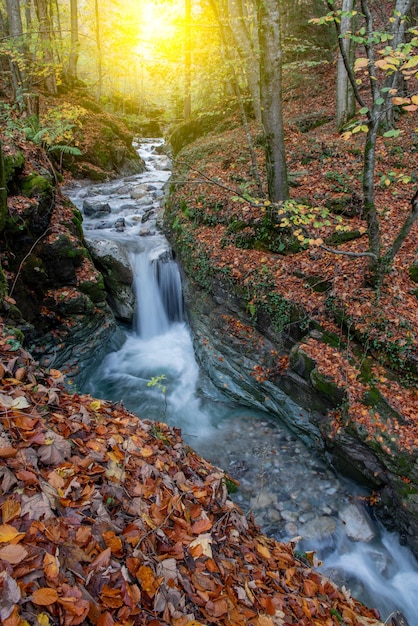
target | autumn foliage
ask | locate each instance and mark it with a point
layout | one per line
(109, 519)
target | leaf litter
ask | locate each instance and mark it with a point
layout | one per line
(106, 521)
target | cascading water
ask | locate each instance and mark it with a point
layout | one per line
(285, 485)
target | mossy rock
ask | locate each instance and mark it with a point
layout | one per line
(300, 362)
(327, 387)
(342, 236)
(308, 122)
(73, 304)
(13, 165)
(95, 290)
(36, 185)
(318, 284)
(348, 205)
(189, 131)
(87, 170)
(77, 221)
(413, 271)
(61, 258)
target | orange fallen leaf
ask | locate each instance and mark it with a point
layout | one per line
(8, 533)
(10, 509)
(45, 596)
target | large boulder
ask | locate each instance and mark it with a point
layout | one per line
(114, 264)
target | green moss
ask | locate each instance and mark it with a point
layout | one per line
(318, 283)
(77, 220)
(343, 236)
(35, 184)
(12, 163)
(327, 387)
(300, 362)
(94, 290)
(413, 271)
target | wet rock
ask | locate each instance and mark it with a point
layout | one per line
(120, 224)
(96, 210)
(113, 262)
(263, 500)
(139, 192)
(147, 215)
(318, 528)
(356, 523)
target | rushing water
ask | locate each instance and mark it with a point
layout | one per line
(286, 486)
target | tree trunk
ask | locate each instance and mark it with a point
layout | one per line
(3, 192)
(346, 102)
(73, 59)
(15, 30)
(99, 52)
(47, 52)
(271, 98)
(247, 47)
(3, 213)
(188, 61)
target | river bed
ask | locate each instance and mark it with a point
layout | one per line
(292, 492)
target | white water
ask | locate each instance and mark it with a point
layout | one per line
(382, 573)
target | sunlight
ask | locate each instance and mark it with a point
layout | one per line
(158, 25)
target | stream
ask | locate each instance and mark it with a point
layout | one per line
(290, 490)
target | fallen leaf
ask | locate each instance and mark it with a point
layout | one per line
(201, 546)
(10, 509)
(45, 596)
(9, 595)
(9, 533)
(55, 450)
(13, 554)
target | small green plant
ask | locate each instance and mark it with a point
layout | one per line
(156, 381)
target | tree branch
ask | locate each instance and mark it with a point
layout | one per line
(356, 255)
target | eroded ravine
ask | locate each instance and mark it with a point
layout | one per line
(290, 490)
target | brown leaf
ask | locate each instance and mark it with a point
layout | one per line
(51, 566)
(106, 620)
(9, 595)
(45, 596)
(9, 533)
(101, 560)
(13, 554)
(10, 509)
(111, 598)
(55, 450)
(201, 526)
(7, 452)
(37, 506)
(217, 608)
(7, 478)
(310, 588)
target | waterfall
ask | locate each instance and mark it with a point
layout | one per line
(158, 292)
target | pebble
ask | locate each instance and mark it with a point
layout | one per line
(282, 482)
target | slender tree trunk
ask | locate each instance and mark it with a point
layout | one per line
(46, 38)
(247, 46)
(3, 192)
(99, 52)
(73, 59)
(271, 98)
(28, 15)
(188, 62)
(346, 102)
(15, 30)
(226, 36)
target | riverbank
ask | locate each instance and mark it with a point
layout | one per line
(271, 323)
